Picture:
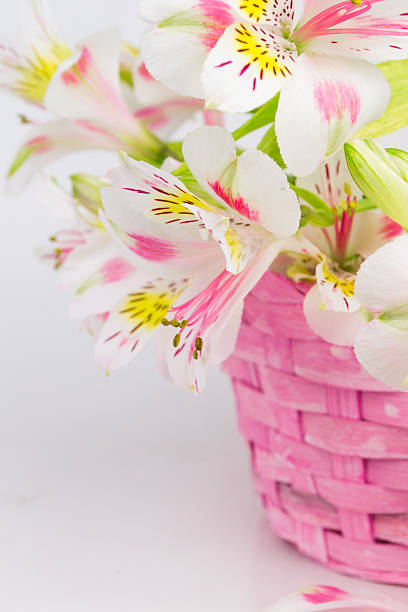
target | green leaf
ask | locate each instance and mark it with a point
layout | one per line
(184, 174)
(396, 115)
(309, 215)
(269, 145)
(265, 115)
(317, 204)
(176, 148)
(21, 157)
(316, 211)
(364, 205)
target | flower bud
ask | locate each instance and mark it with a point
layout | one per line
(400, 159)
(381, 175)
(87, 189)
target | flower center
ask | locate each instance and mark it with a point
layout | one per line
(265, 50)
(34, 72)
(147, 308)
(255, 10)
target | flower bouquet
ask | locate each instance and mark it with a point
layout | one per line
(252, 216)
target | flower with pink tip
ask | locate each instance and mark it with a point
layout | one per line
(27, 73)
(237, 54)
(103, 283)
(91, 267)
(330, 257)
(208, 252)
(100, 95)
(331, 599)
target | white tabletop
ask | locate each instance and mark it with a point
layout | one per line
(124, 494)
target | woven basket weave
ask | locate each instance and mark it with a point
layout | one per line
(329, 444)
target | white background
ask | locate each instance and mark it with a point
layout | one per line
(124, 494)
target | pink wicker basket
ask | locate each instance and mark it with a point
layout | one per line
(329, 444)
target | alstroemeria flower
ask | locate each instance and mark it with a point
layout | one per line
(90, 265)
(237, 54)
(382, 288)
(103, 98)
(211, 253)
(101, 281)
(85, 94)
(331, 307)
(28, 74)
(331, 599)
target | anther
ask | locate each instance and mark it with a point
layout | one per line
(175, 323)
(176, 340)
(199, 344)
(165, 322)
(23, 119)
(347, 186)
(195, 355)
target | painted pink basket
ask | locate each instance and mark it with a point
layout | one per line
(329, 444)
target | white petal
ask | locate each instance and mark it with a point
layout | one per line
(148, 91)
(222, 347)
(210, 313)
(92, 272)
(102, 298)
(28, 74)
(382, 282)
(129, 56)
(277, 15)
(336, 288)
(58, 202)
(134, 320)
(327, 102)
(159, 195)
(383, 351)
(176, 59)
(335, 327)
(93, 325)
(264, 191)
(163, 249)
(255, 188)
(324, 598)
(175, 51)
(87, 259)
(371, 230)
(156, 11)
(88, 87)
(376, 31)
(331, 180)
(38, 27)
(311, 8)
(247, 67)
(166, 118)
(208, 152)
(239, 242)
(50, 141)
